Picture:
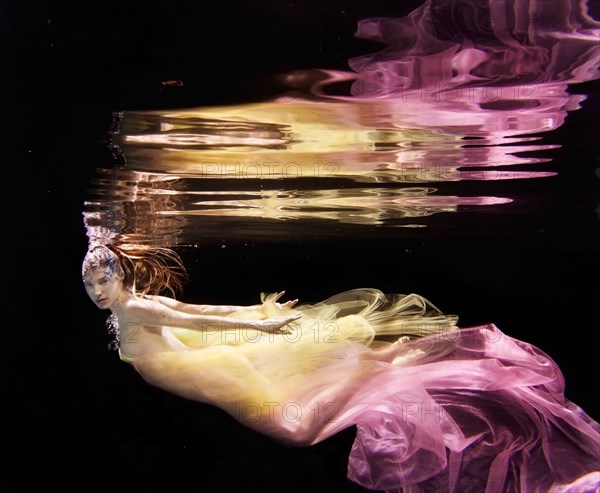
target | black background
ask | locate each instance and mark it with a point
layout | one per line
(79, 415)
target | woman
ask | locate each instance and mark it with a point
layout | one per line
(437, 409)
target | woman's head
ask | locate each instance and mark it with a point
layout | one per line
(102, 276)
(139, 268)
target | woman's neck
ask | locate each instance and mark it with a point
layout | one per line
(124, 296)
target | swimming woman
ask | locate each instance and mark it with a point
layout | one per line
(438, 409)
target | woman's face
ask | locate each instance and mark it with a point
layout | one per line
(103, 287)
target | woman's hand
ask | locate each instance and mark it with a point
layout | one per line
(287, 304)
(276, 325)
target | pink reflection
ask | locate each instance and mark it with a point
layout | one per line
(483, 69)
(515, 45)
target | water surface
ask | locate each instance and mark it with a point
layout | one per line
(427, 126)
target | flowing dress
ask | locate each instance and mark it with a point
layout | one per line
(454, 410)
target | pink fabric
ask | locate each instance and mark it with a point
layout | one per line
(490, 416)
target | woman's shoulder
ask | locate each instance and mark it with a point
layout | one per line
(137, 305)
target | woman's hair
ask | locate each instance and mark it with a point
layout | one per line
(144, 269)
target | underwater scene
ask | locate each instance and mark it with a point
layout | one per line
(445, 148)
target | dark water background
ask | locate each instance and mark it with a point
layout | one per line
(80, 415)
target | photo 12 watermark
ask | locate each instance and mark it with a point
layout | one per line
(266, 170)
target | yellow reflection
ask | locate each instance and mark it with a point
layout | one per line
(365, 142)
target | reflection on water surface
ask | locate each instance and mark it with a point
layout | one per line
(447, 107)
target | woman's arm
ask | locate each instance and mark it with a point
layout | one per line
(194, 309)
(150, 312)
(218, 310)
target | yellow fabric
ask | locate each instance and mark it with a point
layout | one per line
(248, 372)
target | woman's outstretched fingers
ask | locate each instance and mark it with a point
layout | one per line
(289, 304)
